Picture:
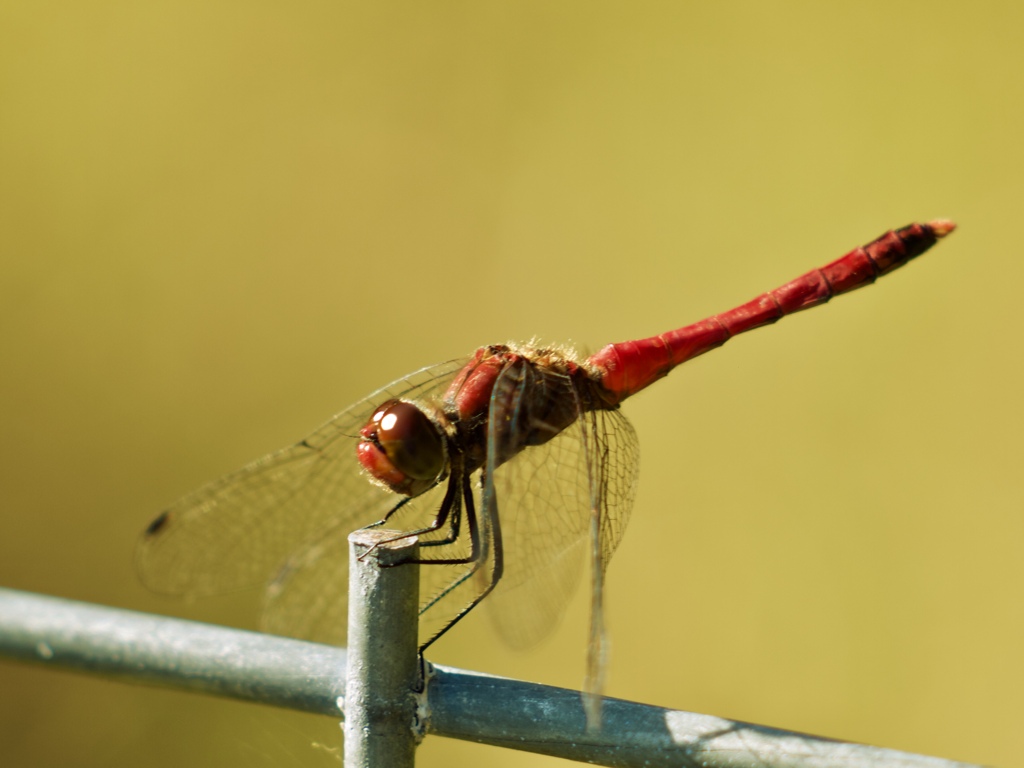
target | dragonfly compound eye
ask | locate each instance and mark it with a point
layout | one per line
(402, 448)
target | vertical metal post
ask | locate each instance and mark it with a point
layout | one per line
(383, 660)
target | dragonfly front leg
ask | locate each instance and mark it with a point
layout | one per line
(450, 510)
(452, 537)
(390, 513)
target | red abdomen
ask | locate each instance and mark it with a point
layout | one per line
(628, 367)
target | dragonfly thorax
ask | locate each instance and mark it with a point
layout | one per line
(403, 449)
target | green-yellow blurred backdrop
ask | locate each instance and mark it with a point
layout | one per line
(221, 222)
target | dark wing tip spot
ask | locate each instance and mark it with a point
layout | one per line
(158, 525)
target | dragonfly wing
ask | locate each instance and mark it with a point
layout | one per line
(237, 531)
(613, 463)
(613, 466)
(543, 536)
(549, 493)
(309, 596)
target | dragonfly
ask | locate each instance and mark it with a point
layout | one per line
(515, 467)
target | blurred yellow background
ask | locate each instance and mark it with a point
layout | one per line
(221, 222)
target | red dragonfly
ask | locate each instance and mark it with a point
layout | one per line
(513, 467)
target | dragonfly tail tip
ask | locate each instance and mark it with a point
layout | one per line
(942, 227)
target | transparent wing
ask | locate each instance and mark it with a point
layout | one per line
(548, 493)
(543, 517)
(309, 597)
(238, 531)
(612, 463)
(613, 452)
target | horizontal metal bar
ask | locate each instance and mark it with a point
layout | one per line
(464, 705)
(156, 650)
(552, 721)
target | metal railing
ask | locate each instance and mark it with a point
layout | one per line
(387, 698)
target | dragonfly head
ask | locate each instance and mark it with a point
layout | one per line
(403, 449)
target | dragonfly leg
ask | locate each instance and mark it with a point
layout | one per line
(391, 512)
(474, 557)
(474, 533)
(449, 509)
(454, 513)
(454, 527)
